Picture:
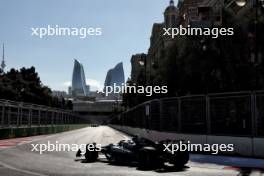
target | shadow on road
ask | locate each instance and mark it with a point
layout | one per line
(164, 169)
(81, 160)
(245, 166)
(246, 171)
(172, 169)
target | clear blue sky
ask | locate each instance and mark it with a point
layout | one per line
(126, 27)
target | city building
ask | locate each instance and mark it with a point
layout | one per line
(171, 15)
(240, 11)
(196, 13)
(87, 90)
(159, 44)
(70, 91)
(189, 11)
(3, 64)
(57, 93)
(115, 76)
(201, 13)
(79, 87)
(96, 95)
(138, 62)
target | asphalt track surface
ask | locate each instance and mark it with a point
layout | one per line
(17, 159)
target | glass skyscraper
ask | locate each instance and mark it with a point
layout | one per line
(115, 75)
(79, 87)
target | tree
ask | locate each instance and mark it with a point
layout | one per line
(24, 85)
(201, 65)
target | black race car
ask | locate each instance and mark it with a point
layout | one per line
(146, 153)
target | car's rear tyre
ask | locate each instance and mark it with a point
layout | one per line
(148, 158)
(181, 159)
(91, 156)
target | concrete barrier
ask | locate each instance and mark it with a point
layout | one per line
(258, 145)
(243, 146)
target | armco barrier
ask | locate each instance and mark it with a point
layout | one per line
(20, 114)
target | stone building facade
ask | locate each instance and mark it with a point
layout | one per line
(138, 62)
(196, 13)
(159, 44)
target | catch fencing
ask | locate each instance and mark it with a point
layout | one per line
(232, 114)
(18, 114)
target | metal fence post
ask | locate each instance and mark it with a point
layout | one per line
(8, 116)
(47, 117)
(58, 117)
(179, 115)
(208, 114)
(147, 116)
(3, 115)
(39, 112)
(253, 120)
(18, 115)
(253, 114)
(21, 116)
(160, 115)
(62, 117)
(52, 118)
(66, 118)
(29, 117)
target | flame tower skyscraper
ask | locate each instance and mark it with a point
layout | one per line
(79, 87)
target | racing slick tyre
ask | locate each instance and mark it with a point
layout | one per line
(180, 159)
(148, 158)
(91, 156)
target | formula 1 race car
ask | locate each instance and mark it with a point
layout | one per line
(146, 153)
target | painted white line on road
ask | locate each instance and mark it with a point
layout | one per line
(20, 170)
